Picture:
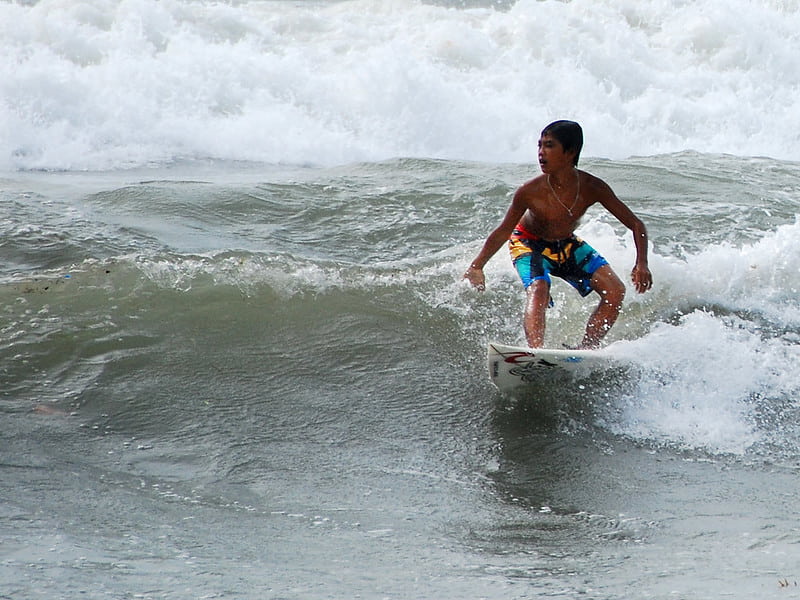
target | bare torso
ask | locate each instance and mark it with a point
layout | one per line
(554, 214)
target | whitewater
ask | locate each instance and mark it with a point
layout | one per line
(123, 83)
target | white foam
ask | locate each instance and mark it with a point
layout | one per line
(120, 83)
(761, 277)
(704, 382)
(705, 377)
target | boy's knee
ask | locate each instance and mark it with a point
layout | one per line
(613, 292)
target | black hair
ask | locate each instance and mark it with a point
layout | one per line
(569, 134)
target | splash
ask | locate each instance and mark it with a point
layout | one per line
(715, 370)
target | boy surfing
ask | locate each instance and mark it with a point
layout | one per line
(539, 228)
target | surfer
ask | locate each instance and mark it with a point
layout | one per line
(539, 227)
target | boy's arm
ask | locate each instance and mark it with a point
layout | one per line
(496, 239)
(640, 275)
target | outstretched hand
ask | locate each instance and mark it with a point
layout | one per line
(476, 278)
(642, 278)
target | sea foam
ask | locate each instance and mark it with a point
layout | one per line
(122, 83)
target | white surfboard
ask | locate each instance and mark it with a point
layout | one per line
(514, 367)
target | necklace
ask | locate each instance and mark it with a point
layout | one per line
(577, 193)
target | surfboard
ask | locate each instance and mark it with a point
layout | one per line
(514, 367)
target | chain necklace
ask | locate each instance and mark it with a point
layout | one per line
(577, 193)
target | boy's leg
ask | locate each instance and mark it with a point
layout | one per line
(612, 291)
(535, 307)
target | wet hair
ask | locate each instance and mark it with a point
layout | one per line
(569, 134)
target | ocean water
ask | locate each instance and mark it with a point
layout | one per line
(237, 357)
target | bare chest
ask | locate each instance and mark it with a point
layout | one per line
(551, 217)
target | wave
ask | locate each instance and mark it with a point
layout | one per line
(714, 365)
(177, 290)
(119, 84)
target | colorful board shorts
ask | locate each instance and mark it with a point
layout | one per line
(572, 259)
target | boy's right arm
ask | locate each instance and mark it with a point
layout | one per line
(496, 239)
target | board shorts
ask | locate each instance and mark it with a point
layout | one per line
(571, 259)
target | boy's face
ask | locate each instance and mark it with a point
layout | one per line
(552, 156)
